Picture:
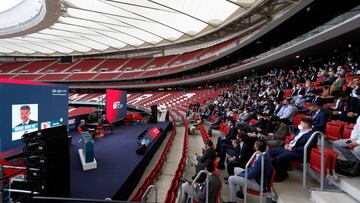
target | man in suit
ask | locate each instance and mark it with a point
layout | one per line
(227, 138)
(246, 150)
(309, 91)
(294, 151)
(216, 124)
(319, 117)
(287, 111)
(277, 107)
(208, 156)
(25, 116)
(254, 174)
(232, 149)
(199, 189)
(277, 138)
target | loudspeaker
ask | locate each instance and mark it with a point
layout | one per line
(48, 151)
(154, 113)
(141, 149)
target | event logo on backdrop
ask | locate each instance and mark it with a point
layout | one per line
(115, 104)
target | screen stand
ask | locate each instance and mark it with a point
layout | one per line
(86, 166)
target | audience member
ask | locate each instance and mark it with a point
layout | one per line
(209, 156)
(199, 189)
(293, 151)
(253, 180)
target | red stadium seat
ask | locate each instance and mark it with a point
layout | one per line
(297, 119)
(347, 131)
(257, 193)
(329, 160)
(252, 121)
(333, 131)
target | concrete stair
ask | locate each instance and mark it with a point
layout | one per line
(351, 186)
(330, 197)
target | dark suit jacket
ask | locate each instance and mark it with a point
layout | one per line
(246, 151)
(30, 122)
(254, 172)
(281, 131)
(208, 156)
(276, 110)
(299, 146)
(231, 134)
(217, 121)
(320, 120)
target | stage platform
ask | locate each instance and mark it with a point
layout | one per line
(119, 168)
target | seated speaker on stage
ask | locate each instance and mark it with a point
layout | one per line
(105, 124)
(83, 128)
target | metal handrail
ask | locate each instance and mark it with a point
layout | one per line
(148, 190)
(262, 175)
(322, 158)
(207, 185)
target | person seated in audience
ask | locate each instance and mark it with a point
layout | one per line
(287, 111)
(244, 116)
(246, 150)
(339, 108)
(277, 107)
(277, 139)
(279, 94)
(319, 117)
(199, 189)
(299, 101)
(228, 114)
(194, 124)
(83, 128)
(233, 149)
(216, 124)
(237, 181)
(105, 123)
(337, 85)
(353, 104)
(309, 91)
(208, 156)
(350, 148)
(206, 114)
(329, 78)
(227, 138)
(297, 90)
(292, 152)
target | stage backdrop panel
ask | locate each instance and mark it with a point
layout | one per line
(29, 106)
(115, 104)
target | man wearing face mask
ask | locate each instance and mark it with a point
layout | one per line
(294, 151)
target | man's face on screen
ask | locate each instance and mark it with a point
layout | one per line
(25, 115)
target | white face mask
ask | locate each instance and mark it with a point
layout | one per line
(301, 128)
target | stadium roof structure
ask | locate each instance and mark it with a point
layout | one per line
(83, 27)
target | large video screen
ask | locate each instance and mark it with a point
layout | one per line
(115, 105)
(27, 107)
